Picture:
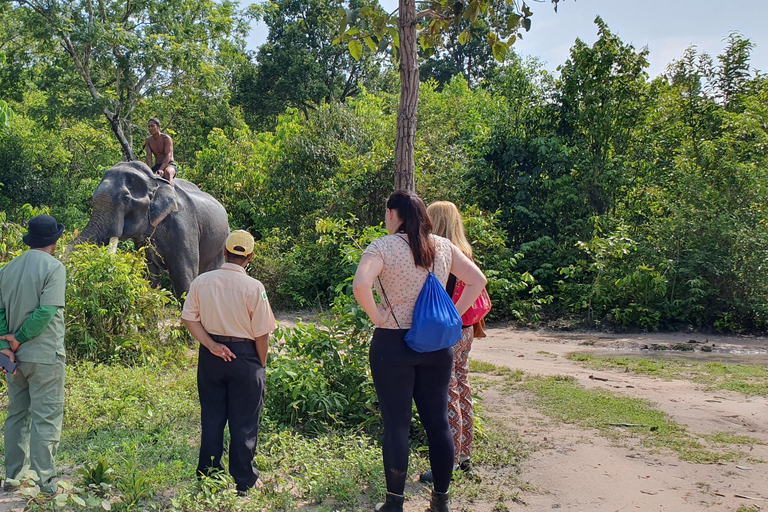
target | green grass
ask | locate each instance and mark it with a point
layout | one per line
(727, 438)
(744, 378)
(139, 426)
(563, 399)
(492, 369)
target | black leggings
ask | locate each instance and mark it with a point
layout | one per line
(401, 375)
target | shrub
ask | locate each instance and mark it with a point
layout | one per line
(112, 313)
(318, 375)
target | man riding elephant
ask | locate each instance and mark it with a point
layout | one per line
(183, 228)
(160, 145)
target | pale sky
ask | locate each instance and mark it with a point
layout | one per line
(667, 27)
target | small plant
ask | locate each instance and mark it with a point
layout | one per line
(134, 486)
(97, 474)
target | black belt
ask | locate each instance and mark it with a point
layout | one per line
(229, 339)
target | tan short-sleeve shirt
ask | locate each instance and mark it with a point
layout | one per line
(402, 279)
(229, 302)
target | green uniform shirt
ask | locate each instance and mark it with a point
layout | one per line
(29, 281)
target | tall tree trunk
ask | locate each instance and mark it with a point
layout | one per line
(125, 145)
(409, 98)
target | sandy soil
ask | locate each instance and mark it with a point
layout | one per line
(578, 470)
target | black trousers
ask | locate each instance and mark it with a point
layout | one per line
(401, 375)
(230, 392)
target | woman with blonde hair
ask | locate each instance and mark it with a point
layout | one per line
(398, 266)
(447, 222)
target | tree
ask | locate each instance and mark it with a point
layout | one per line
(377, 29)
(474, 59)
(124, 50)
(298, 66)
(603, 94)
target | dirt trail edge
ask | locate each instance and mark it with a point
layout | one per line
(577, 470)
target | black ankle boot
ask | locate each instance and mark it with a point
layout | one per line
(439, 502)
(394, 503)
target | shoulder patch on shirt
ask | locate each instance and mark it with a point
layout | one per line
(264, 295)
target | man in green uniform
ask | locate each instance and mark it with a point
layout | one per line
(32, 290)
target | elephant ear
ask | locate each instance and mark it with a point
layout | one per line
(163, 204)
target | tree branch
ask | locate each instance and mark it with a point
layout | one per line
(433, 14)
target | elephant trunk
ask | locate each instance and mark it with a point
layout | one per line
(99, 230)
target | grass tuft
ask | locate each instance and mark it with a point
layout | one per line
(749, 379)
(565, 400)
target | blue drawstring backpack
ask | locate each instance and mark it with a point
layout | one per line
(436, 322)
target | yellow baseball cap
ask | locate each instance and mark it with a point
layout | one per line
(240, 242)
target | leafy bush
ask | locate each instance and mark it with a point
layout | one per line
(112, 313)
(318, 374)
(515, 295)
(10, 240)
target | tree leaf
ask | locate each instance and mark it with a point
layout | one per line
(527, 24)
(499, 51)
(355, 49)
(369, 42)
(395, 36)
(464, 36)
(512, 21)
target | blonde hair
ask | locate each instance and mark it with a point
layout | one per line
(446, 222)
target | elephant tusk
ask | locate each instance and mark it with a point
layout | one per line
(113, 244)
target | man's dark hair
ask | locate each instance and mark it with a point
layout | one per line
(155, 120)
(237, 259)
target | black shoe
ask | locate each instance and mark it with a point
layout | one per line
(426, 477)
(439, 502)
(393, 503)
(466, 466)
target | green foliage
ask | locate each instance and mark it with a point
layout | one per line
(112, 313)
(319, 376)
(98, 473)
(119, 58)
(6, 115)
(499, 22)
(514, 294)
(11, 244)
(297, 67)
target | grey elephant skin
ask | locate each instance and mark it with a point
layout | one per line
(184, 228)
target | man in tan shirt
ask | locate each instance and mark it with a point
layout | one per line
(227, 311)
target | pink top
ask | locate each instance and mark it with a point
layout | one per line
(229, 302)
(402, 279)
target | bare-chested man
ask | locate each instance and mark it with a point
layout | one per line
(161, 146)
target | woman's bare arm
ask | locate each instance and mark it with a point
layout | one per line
(367, 271)
(474, 280)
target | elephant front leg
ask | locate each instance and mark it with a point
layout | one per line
(183, 271)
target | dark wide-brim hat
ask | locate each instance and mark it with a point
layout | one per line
(43, 230)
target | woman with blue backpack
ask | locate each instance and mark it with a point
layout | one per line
(411, 353)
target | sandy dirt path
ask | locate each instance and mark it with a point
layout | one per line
(577, 470)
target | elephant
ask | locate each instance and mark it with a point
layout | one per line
(183, 228)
